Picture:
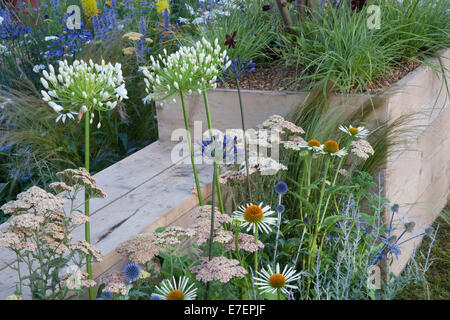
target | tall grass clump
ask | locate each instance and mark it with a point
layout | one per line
(254, 30)
(338, 45)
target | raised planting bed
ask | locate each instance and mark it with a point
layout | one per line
(148, 189)
(416, 176)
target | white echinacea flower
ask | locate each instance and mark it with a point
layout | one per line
(331, 147)
(357, 132)
(255, 217)
(270, 281)
(168, 290)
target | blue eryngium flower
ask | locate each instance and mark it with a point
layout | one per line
(238, 68)
(106, 295)
(281, 187)
(131, 272)
(280, 208)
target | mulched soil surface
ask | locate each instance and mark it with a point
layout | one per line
(281, 78)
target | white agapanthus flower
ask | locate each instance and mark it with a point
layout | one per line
(82, 87)
(38, 68)
(191, 69)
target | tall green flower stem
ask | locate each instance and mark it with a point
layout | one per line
(245, 141)
(216, 170)
(313, 244)
(87, 229)
(211, 230)
(191, 149)
(256, 252)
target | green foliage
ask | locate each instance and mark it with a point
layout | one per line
(338, 46)
(255, 31)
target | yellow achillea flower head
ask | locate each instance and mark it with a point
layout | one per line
(90, 8)
(162, 5)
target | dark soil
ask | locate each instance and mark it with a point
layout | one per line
(281, 78)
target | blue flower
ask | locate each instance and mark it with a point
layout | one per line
(280, 208)
(238, 68)
(106, 295)
(281, 187)
(131, 272)
(154, 297)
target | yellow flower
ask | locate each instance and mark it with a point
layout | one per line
(108, 3)
(90, 8)
(144, 274)
(162, 5)
(13, 297)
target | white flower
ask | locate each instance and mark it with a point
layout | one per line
(66, 114)
(270, 281)
(1, 20)
(312, 145)
(255, 217)
(55, 106)
(38, 67)
(183, 20)
(51, 38)
(358, 132)
(44, 83)
(73, 282)
(168, 290)
(362, 149)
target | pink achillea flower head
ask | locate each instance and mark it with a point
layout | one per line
(246, 242)
(172, 237)
(35, 201)
(218, 268)
(86, 248)
(278, 123)
(362, 149)
(140, 248)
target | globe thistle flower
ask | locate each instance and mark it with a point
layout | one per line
(255, 217)
(270, 281)
(280, 208)
(168, 290)
(356, 132)
(190, 70)
(281, 187)
(331, 147)
(131, 272)
(87, 86)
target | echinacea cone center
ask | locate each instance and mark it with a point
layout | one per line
(175, 295)
(331, 146)
(313, 143)
(277, 280)
(253, 214)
